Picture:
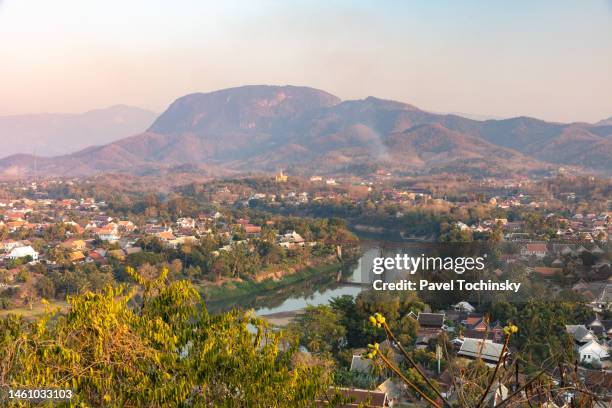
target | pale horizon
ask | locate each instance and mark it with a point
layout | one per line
(550, 60)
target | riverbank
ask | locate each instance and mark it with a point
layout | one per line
(253, 293)
(282, 319)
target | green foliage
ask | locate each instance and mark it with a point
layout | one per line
(215, 256)
(45, 287)
(166, 352)
(354, 313)
(319, 329)
(356, 379)
(414, 377)
(475, 379)
(78, 279)
(542, 327)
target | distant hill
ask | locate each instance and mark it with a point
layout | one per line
(51, 134)
(605, 122)
(262, 128)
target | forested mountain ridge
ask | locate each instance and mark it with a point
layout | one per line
(262, 128)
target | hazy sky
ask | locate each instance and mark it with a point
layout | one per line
(548, 59)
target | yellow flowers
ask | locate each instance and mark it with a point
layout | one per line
(510, 329)
(374, 349)
(377, 320)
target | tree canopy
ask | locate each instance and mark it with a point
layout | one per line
(155, 345)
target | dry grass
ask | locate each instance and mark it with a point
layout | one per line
(37, 309)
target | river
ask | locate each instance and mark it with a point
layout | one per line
(322, 295)
(359, 276)
(288, 300)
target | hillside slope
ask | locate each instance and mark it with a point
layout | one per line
(262, 128)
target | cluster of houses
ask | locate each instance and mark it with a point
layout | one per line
(474, 337)
(585, 227)
(589, 228)
(585, 268)
(98, 237)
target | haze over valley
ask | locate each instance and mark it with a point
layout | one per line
(52, 134)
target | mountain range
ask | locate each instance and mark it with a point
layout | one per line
(305, 130)
(53, 134)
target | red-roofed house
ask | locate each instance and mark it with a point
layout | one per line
(535, 249)
(252, 229)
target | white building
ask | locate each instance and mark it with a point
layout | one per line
(593, 353)
(186, 223)
(109, 236)
(462, 226)
(464, 306)
(291, 240)
(22, 252)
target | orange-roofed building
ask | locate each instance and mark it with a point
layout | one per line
(252, 229)
(534, 249)
(74, 244)
(547, 272)
(165, 235)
